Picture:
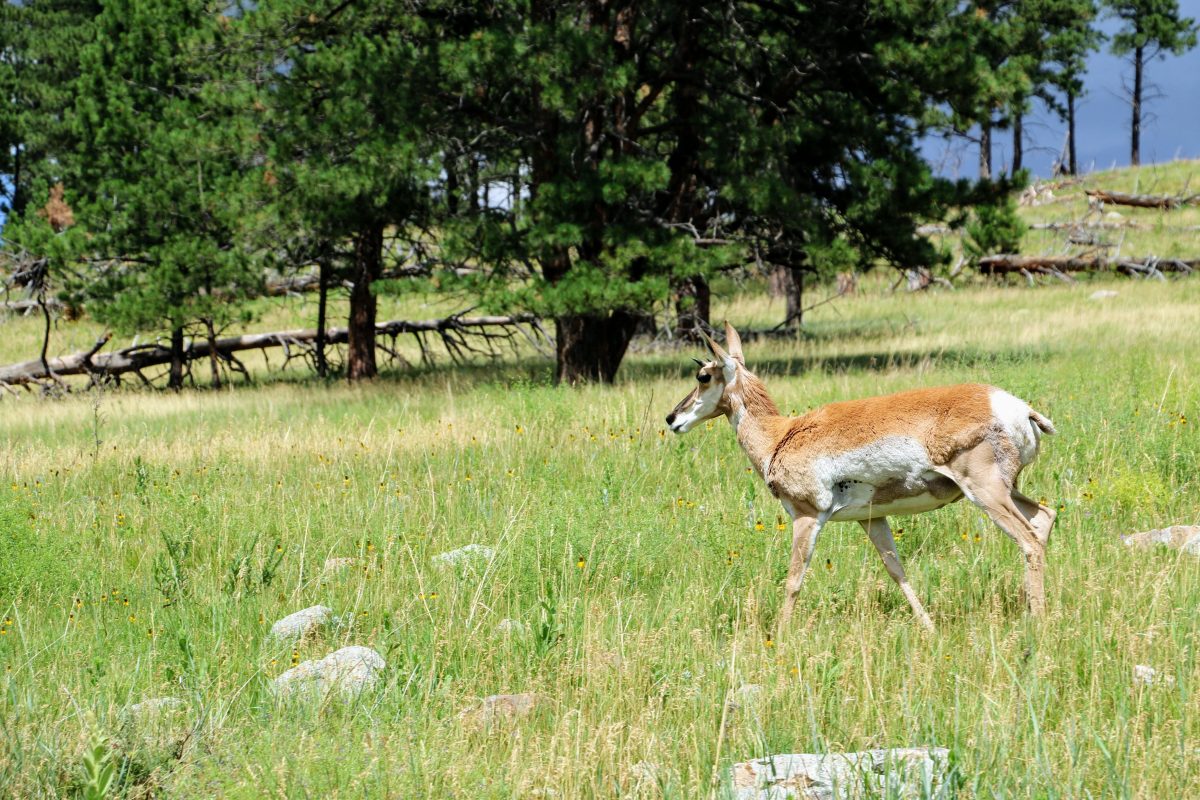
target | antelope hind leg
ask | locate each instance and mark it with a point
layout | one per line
(1039, 515)
(881, 536)
(981, 479)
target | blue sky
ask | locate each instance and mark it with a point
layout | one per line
(1170, 128)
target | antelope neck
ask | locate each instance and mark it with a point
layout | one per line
(755, 430)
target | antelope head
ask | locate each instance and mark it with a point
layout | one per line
(716, 385)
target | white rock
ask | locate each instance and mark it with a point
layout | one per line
(645, 773)
(334, 565)
(348, 671)
(1114, 215)
(467, 555)
(1103, 294)
(896, 773)
(1148, 676)
(1184, 538)
(748, 695)
(302, 623)
(155, 705)
(511, 627)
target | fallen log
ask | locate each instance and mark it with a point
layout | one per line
(311, 282)
(25, 306)
(1163, 202)
(139, 357)
(1150, 266)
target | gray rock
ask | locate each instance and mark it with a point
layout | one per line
(466, 556)
(1184, 538)
(1148, 676)
(153, 733)
(897, 773)
(155, 706)
(302, 623)
(348, 672)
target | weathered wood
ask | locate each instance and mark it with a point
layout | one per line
(25, 306)
(1147, 266)
(1163, 202)
(139, 357)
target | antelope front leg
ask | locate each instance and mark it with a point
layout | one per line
(805, 530)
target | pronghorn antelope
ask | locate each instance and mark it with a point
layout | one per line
(864, 460)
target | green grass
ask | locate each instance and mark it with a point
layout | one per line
(671, 608)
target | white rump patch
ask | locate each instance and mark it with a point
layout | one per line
(1013, 415)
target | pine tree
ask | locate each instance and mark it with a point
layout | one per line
(350, 140)
(1068, 46)
(39, 61)
(662, 141)
(161, 156)
(1152, 29)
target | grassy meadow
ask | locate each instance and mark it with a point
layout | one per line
(148, 542)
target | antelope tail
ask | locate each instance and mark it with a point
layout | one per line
(1041, 422)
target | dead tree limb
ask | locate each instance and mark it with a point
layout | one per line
(1046, 265)
(1162, 202)
(453, 332)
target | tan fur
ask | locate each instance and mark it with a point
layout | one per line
(963, 449)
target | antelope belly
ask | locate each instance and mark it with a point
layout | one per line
(915, 504)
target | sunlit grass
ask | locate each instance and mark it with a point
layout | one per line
(648, 568)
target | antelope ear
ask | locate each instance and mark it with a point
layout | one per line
(716, 349)
(729, 366)
(734, 343)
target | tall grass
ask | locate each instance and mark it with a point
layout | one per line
(146, 549)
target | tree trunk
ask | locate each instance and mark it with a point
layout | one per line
(175, 382)
(322, 302)
(472, 184)
(693, 301)
(1073, 167)
(452, 186)
(1135, 132)
(788, 282)
(590, 346)
(985, 150)
(18, 197)
(213, 354)
(368, 264)
(1018, 158)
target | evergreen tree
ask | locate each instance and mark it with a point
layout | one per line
(40, 42)
(160, 159)
(1068, 47)
(1152, 29)
(661, 141)
(1051, 39)
(350, 140)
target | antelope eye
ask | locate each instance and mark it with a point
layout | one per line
(703, 377)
